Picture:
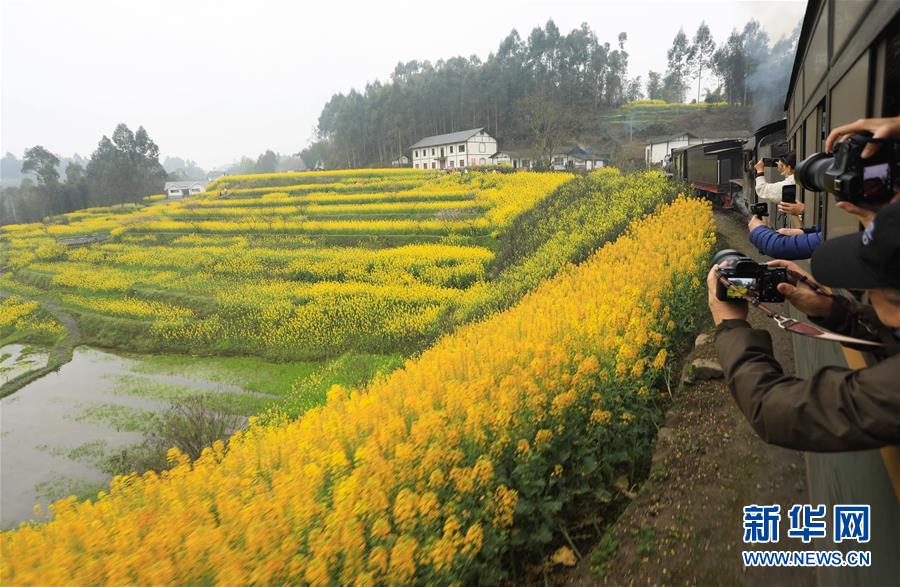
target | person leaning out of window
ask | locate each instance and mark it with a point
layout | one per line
(771, 192)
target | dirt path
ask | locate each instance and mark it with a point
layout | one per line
(685, 524)
(60, 354)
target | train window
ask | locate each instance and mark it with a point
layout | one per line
(798, 98)
(816, 62)
(810, 146)
(891, 103)
(846, 14)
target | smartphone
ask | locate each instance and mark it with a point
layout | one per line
(789, 194)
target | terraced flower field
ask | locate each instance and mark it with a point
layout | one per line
(285, 266)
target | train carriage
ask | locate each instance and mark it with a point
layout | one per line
(710, 168)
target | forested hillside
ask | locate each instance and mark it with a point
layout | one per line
(548, 84)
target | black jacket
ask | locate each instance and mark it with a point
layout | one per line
(837, 409)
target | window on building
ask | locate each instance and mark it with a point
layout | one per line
(451, 148)
(462, 162)
(451, 163)
(462, 148)
(483, 161)
(481, 147)
(433, 165)
(473, 161)
(432, 152)
(416, 165)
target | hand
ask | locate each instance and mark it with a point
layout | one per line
(755, 222)
(760, 166)
(722, 310)
(800, 295)
(879, 127)
(795, 208)
(790, 231)
(865, 216)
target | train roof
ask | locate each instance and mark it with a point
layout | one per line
(770, 127)
(722, 147)
(809, 20)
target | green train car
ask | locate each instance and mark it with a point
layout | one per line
(847, 67)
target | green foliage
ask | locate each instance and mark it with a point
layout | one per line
(605, 550)
(42, 163)
(125, 168)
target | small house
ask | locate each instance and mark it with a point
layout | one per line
(577, 157)
(183, 189)
(401, 161)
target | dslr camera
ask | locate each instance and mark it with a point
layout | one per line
(863, 182)
(770, 161)
(760, 209)
(747, 277)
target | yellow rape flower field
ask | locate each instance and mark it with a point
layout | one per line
(477, 452)
(283, 266)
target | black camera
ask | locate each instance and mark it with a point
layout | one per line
(747, 278)
(866, 182)
(760, 209)
(770, 162)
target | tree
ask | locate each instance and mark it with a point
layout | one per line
(42, 163)
(633, 90)
(654, 86)
(674, 83)
(549, 124)
(267, 162)
(701, 53)
(729, 65)
(125, 168)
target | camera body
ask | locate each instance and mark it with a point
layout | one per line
(749, 277)
(770, 162)
(863, 182)
(760, 209)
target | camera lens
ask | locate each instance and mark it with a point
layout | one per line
(810, 173)
(728, 257)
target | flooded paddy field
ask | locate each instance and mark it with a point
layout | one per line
(60, 435)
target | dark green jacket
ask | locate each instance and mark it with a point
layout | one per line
(837, 409)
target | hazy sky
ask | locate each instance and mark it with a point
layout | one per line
(216, 80)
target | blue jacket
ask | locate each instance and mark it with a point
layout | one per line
(779, 246)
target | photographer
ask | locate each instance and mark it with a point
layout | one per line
(771, 192)
(837, 409)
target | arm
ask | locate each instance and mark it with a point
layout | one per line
(768, 192)
(780, 246)
(837, 409)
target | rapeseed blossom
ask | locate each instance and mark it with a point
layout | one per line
(424, 475)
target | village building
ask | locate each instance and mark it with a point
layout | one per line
(401, 161)
(182, 189)
(658, 149)
(455, 150)
(568, 157)
(577, 157)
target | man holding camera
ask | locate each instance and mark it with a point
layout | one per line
(837, 409)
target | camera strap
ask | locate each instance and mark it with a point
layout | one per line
(795, 326)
